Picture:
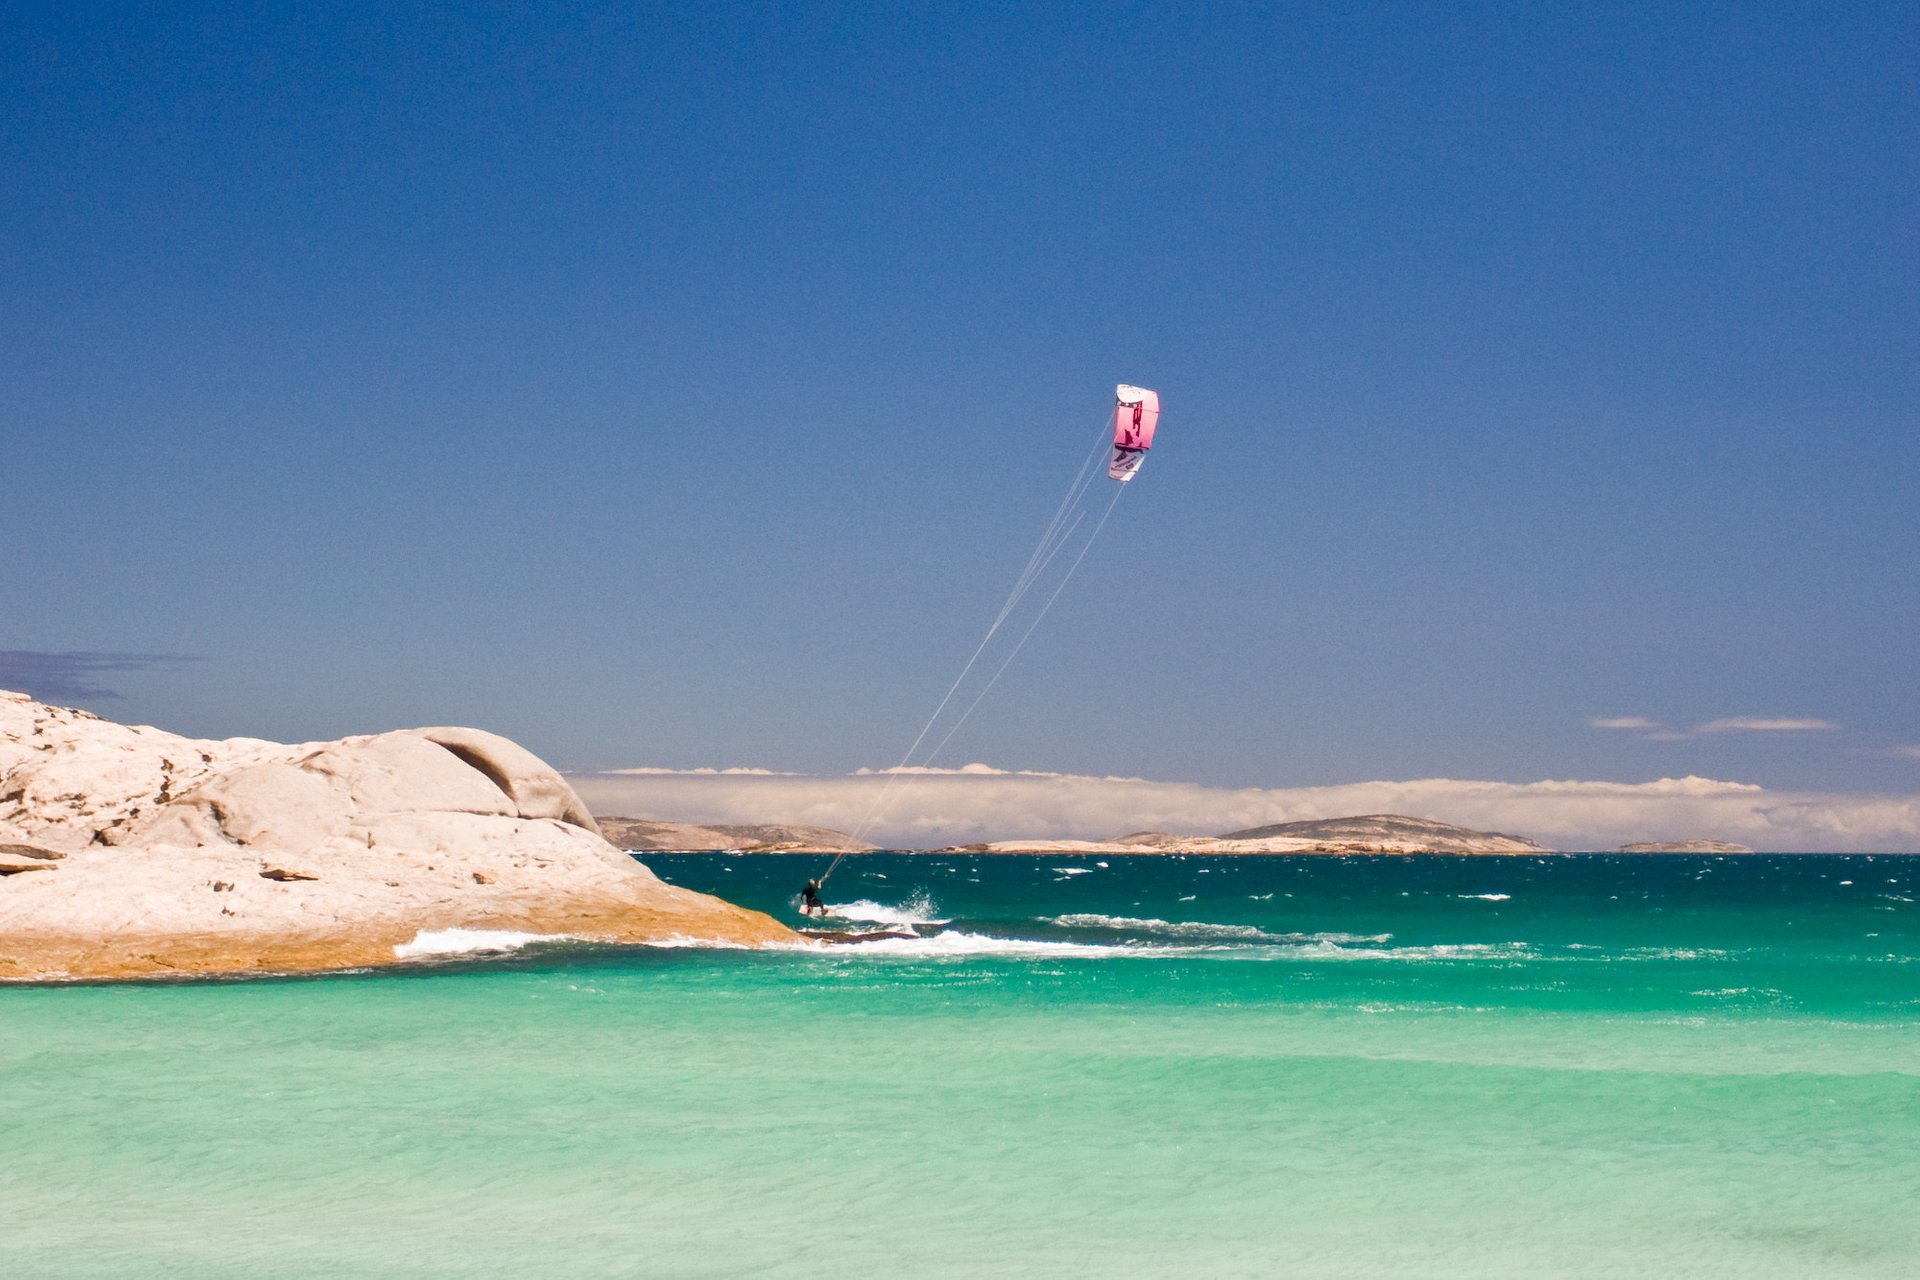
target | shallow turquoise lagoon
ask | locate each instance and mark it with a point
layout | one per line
(1568, 1066)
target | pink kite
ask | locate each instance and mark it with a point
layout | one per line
(1134, 417)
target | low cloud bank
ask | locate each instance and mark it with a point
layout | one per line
(74, 676)
(929, 808)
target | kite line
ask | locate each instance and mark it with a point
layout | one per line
(1131, 430)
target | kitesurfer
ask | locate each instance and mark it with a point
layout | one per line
(810, 903)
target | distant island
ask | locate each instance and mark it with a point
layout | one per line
(1364, 833)
(1683, 846)
(1371, 833)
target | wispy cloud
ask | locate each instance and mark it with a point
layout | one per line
(964, 805)
(1654, 731)
(74, 676)
(1764, 724)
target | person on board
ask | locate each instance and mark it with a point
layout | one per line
(810, 903)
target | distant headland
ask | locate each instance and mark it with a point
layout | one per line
(1367, 833)
(1683, 846)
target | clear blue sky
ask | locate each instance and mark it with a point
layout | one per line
(684, 384)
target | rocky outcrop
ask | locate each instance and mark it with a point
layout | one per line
(176, 855)
(1683, 846)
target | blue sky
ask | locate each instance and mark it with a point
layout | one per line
(684, 385)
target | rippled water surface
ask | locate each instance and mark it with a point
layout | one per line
(1310, 1066)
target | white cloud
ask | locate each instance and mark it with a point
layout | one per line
(651, 771)
(1654, 731)
(1763, 724)
(948, 807)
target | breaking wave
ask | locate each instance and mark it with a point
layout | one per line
(958, 944)
(1167, 928)
(919, 909)
(1152, 938)
(1204, 929)
(460, 942)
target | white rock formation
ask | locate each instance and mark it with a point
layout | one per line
(171, 854)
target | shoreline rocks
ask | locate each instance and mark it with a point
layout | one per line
(152, 854)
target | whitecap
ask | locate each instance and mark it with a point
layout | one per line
(918, 909)
(1674, 953)
(1170, 928)
(1074, 871)
(456, 942)
(958, 944)
(1488, 897)
(1439, 951)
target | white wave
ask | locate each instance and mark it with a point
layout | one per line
(679, 941)
(455, 942)
(918, 909)
(1674, 953)
(959, 944)
(1438, 951)
(1487, 897)
(1172, 928)
(1074, 871)
(1206, 929)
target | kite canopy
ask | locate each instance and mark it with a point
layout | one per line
(1135, 414)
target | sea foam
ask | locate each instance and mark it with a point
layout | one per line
(1204, 929)
(919, 909)
(958, 944)
(1168, 928)
(455, 942)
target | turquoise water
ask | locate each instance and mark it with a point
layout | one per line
(1568, 1066)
